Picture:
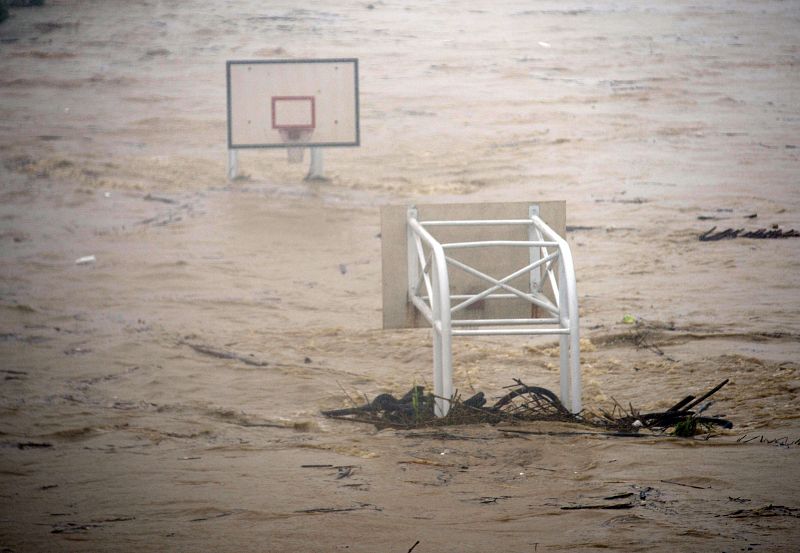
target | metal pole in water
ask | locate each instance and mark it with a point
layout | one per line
(233, 165)
(315, 168)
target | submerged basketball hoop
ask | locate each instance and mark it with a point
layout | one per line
(482, 269)
(296, 140)
(292, 104)
(294, 117)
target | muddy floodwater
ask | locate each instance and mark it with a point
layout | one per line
(168, 338)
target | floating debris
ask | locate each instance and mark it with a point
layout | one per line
(785, 441)
(625, 505)
(356, 507)
(33, 445)
(766, 511)
(525, 403)
(86, 260)
(222, 354)
(152, 198)
(774, 232)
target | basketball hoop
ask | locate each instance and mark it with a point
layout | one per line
(292, 105)
(294, 117)
(295, 139)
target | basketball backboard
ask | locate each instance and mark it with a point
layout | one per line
(288, 103)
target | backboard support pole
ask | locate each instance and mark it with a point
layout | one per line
(315, 168)
(233, 164)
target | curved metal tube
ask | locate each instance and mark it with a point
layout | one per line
(568, 290)
(439, 311)
(442, 329)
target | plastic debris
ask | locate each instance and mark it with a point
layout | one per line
(85, 260)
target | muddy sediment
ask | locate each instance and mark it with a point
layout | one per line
(169, 338)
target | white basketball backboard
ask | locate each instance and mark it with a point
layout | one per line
(285, 103)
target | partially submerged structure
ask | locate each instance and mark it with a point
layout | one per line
(482, 269)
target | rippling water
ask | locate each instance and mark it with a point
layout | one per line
(173, 385)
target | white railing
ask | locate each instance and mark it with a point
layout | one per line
(550, 263)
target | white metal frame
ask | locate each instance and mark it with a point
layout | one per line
(550, 262)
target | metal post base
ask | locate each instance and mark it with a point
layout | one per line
(233, 165)
(315, 168)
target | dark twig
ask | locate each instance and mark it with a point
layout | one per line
(682, 484)
(220, 354)
(600, 506)
(711, 236)
(680, 404)
(29, 445)
(322, 510)
(708, 394)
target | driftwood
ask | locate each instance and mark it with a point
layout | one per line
(599, 506)
(784, 441)
(357, 507)
(29, 445)
(221, 354)
(684, 485)
(711, 236)
(682, 410)
(766, 511)
(529, 403)
(416, 409)
(685, 421)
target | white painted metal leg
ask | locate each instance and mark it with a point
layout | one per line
(233, 164)
(574, 353)
(440, 406)
(570, 295)
(315, 167)
(564, 357)
(564, 340)
(447, 368)
(575, 373)
(535, 279)
(442, 339)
